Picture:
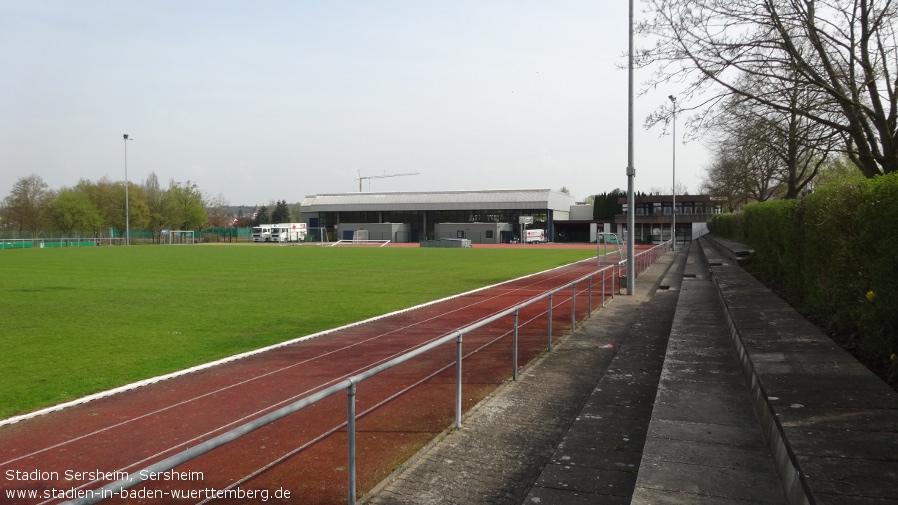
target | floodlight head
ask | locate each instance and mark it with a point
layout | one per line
(126, 136)
(672, 98)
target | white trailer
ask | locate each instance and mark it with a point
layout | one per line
(262, 233)
(536, 236)
(288, 232)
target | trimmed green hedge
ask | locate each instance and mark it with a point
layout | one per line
(833, 254)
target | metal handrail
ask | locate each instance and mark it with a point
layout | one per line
(115, 488)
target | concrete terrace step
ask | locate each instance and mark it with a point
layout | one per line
(598, 458)
(704, 443)
(830, 423)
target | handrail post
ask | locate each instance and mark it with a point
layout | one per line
(613, 281)
(589, 298)
(350, 437)
(458, 381)
(550, 322)
(514, 348)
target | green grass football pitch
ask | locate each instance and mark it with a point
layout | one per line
(81, 320)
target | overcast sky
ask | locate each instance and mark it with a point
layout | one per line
(269, 100)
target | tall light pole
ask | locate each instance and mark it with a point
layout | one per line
(631, 172)
(127, 216)
(673, 209)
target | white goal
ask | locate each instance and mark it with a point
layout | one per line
(178, 237)
(360, 238)
(318, 234)
(369, 243)
(614, 240)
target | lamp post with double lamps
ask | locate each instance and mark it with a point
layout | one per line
(127, 216)
(673, 209)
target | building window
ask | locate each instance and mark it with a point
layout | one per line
(460, 234)
(489, 233)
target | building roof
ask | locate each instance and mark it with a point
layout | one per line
(439, 200)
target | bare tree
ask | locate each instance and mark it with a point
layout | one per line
(28, 206)
(681, 188)
(217, 209)
(842, 52)
(774, 152)
(724, 180)
(798, 146)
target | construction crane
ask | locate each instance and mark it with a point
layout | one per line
(361, 177)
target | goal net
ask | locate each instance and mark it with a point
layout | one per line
(178, 237)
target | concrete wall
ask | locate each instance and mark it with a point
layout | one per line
(394, 232)
(581, 213)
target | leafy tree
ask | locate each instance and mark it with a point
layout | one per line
(835, 171)
(155, 205)
(281, 213)
(105, 198)
(840, 52)
(28, 206)
(138, 212)
(109, 199)
(73, 211)
(184, 206)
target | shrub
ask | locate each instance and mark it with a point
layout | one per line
(833, 254)
(725, 225)
(774, 231)
(876, 249)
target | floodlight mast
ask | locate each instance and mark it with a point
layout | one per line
(127, 216)
(361, 177)
(673, 202)
(631, 172)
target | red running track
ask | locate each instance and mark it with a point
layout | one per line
(301, 458)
